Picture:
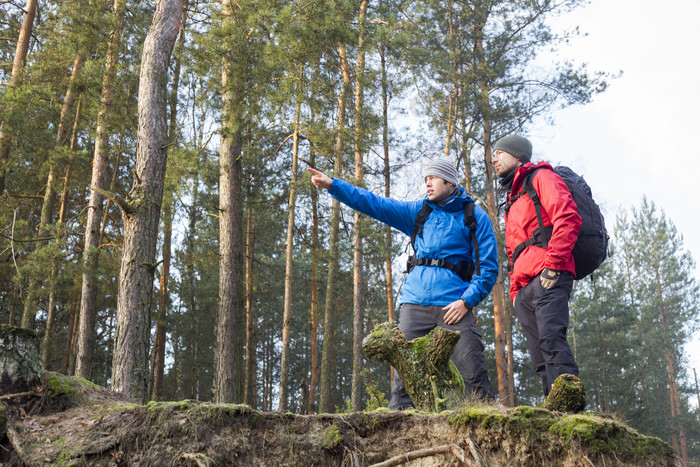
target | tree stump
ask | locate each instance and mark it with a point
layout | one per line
(20, 360)
(567, 395)
(431, 379)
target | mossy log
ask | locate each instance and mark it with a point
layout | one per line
(20, 360)
(431, 379)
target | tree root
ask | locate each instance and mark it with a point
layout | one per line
(19, 394)
(200, 459)
(436, 451)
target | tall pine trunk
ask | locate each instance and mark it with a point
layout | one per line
(47, 208)
(505, 393)
(88, 312)
(250, 392)
(142, 213)
(47, 344)
(289, 254)
(387, 185)
(313, 314)
(164, 296)
(228, 381)
(328, 328)
(20, 59)
(357, 234)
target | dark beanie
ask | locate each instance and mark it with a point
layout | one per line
(515, 145)
(442, 167)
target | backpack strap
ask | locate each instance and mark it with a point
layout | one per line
(470, 222)
(420, 221)
(542, 234)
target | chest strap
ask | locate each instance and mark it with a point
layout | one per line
(464, 269)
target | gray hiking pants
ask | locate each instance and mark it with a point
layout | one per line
(418, 320)
(544, 316)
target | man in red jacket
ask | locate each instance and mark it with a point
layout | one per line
(541, 262)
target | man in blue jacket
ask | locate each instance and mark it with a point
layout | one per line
(442, 287)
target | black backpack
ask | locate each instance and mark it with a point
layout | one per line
(465, 269)
(591, 247)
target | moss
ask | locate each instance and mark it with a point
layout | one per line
(333, 439)
(455, 379)
(155, 408)
(606, 435)
(568, 394)
(473, 414)
(61, 385)
(419, 344)
(225, 412)
(381, 410)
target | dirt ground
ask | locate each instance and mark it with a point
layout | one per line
(71, 422)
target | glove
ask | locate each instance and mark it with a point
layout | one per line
(549, 277)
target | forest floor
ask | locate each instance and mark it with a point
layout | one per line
(70, 421)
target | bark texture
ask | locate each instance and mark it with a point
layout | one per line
(423, 364)
(88, 311)
(229, 379)
(130, 363)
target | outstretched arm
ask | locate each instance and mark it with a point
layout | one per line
(400, 215)
(320, 179)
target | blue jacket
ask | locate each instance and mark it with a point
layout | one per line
(444, 237)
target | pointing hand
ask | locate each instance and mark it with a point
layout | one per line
(320, 179)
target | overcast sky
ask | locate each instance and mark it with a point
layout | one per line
(642, 136)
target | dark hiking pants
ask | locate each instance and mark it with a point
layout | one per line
(544, 316)
(418, 320)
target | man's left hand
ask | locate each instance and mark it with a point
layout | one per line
(455, 311)
(549, 278)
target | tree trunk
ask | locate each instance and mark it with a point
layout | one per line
(47, 208)
(313, 318)
(20, 59)
(286, 321)
(228, 382)
(387, 186)
(50, 312)
(249, 396)
(357, 234)
(505, 393)
(164, 297)
(100, 159)
(328, 329)
(141, 216)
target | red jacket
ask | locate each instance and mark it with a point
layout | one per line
(558, 210)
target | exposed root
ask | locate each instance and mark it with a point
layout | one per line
(436, 451)
(475, 453)
(19, 394)
(198, 458)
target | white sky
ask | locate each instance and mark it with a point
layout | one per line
(638, 137)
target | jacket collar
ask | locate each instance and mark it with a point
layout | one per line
(522, 172)
(455, 204)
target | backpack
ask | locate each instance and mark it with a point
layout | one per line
(465, 269)
(591, 246)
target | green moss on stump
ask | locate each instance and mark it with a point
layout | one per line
(567, 395)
